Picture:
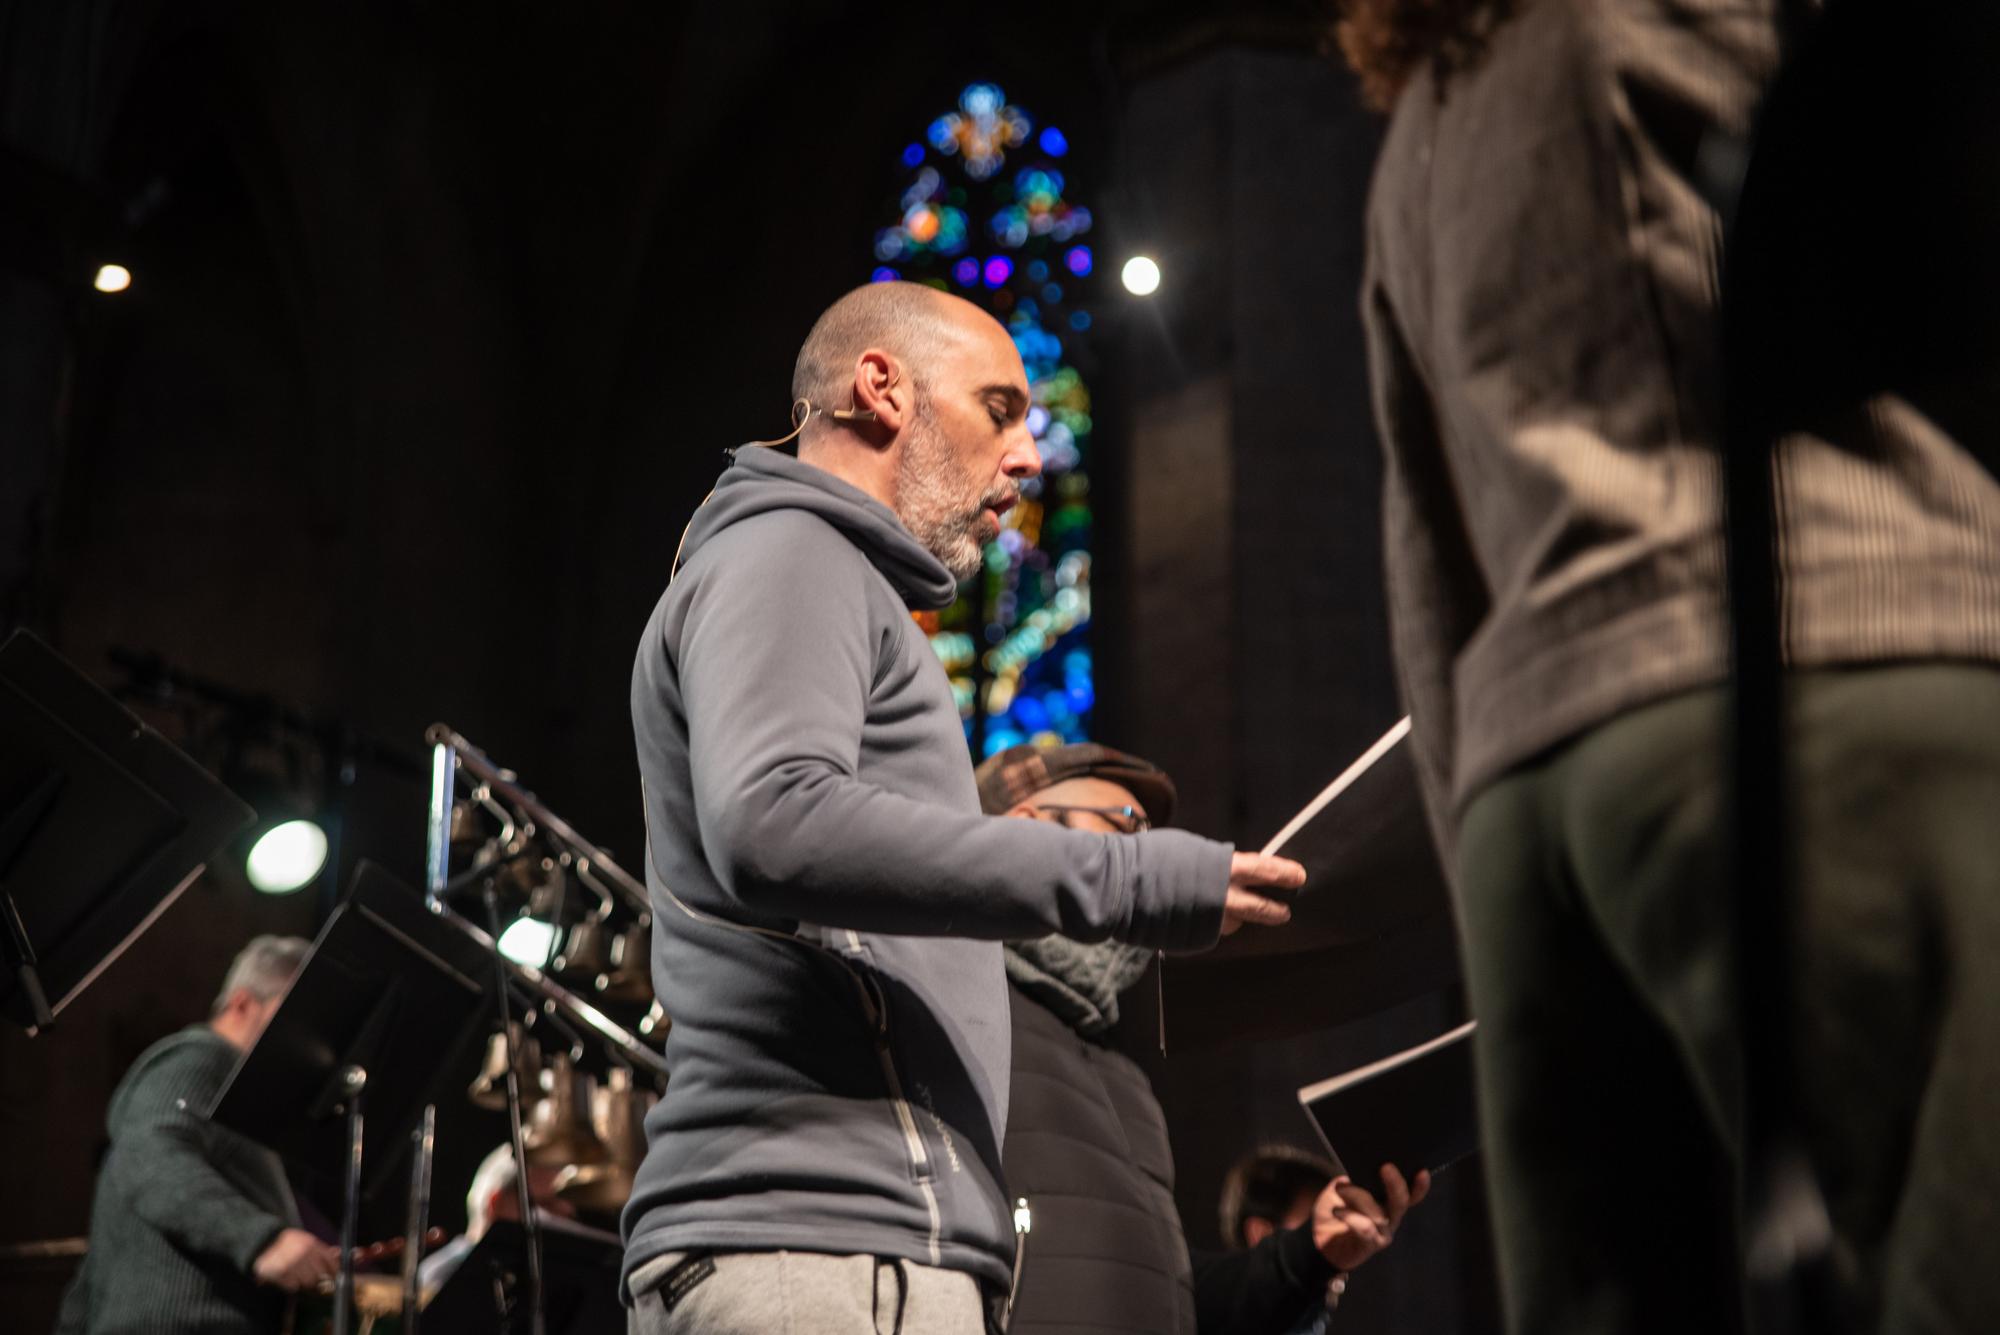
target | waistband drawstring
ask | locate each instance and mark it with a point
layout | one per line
(902, 1296)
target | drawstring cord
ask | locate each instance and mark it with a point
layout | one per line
(902, 1296)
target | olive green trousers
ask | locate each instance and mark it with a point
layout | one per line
(1599, 936)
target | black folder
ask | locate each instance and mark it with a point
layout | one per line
(1415, 1109)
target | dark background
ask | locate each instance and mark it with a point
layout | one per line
(442, 317)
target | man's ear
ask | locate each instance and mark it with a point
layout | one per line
(1256, 1228)
(881, 393)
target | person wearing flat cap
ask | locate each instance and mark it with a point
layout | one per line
(1086, 1143)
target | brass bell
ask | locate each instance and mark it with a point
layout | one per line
(559, 1131)
(618, 1115)
(595, 1188)
(631, 976)
(538, 880)
(489, 1088)
(586, 951)
(654, 1024)
(466, 827)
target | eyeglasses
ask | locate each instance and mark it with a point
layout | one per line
(1126, 820)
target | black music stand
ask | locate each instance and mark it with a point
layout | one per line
(103, 823)
(377, 1014)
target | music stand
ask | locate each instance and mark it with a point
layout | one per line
(488, 1290)
(375, 1017)
(103, 823)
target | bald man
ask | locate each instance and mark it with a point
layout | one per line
(829, 899)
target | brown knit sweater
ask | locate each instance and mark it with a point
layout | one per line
(1540, 306)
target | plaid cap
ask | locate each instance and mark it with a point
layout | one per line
(1018, 773)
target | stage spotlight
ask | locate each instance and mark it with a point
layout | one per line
(112, 278)
(1141, 276)
(528, 941)
(286, 857)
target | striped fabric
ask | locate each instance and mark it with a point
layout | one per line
(183, 1206)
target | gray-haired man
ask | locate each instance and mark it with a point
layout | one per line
(193, 1227)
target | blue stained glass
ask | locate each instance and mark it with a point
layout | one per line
(999, 739)
(982, 99)
(985, 211)
(1037, 181)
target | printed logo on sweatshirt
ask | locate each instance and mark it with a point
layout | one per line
(944, 1132)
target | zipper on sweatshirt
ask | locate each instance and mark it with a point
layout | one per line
(876, 1003)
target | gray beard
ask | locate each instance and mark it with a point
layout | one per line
(931, 504)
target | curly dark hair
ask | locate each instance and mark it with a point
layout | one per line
(1386, 41)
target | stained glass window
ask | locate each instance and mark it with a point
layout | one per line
(987, 211)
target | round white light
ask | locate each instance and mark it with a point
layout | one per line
(286, 857)
(1141, 276)
(113, 278)
(528, 941)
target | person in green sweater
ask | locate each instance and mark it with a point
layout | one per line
(193, 1227)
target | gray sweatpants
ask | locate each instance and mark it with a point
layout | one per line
(802, 1293)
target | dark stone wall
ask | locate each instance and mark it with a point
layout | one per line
(1255, 664)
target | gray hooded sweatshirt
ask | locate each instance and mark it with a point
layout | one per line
(828, 897)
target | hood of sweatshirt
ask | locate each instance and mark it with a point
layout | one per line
(762, 478)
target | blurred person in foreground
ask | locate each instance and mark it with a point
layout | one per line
(1540, 304)
(828, 898)
(193, 1226)
(1087, 1147)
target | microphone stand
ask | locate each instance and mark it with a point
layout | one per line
(531, 1224)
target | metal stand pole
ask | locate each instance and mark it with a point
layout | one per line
(531, 1223)
(354, 1081)
(419, 1219)
(16, 947)
(20, 957)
